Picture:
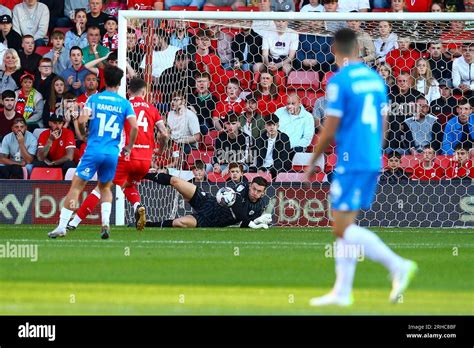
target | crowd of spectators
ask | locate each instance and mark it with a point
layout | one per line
(226, 91)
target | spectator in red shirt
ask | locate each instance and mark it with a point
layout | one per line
(145, 5)
(269, 99)
(402, 58)
(91, 83)
(428, 169)
(461, 167)
(452, 40)
(56, 146)
(233, 102)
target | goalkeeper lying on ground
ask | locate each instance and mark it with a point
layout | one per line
(247, 209)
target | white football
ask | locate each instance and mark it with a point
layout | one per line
(226, 196)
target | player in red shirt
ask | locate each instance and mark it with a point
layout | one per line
(428, 169)
(232, 102)
(130, 171)
(56, 146)
(461, 167)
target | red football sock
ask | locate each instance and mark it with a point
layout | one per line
(132, 195)
(88, 205)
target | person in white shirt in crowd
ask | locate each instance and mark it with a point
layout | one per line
(313, 6)
(32, 18)
(463, 69)
(297, 123)
(183, 123)
(354, 5)
(386, 41)
(279, 48)
(424, 80)
(163, 54)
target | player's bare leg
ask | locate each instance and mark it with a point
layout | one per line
(350, 238)
(70, 204)
(106, 207)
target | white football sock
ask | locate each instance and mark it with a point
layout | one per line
(76, 220)
(135, 206)
(64, 217)
(106, 208)
(373, 247)
(346, 264)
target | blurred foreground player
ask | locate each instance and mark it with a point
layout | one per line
(355, 98)
(130, 171)
(106, 113)
(248, 208)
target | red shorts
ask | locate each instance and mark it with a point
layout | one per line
(131, 171)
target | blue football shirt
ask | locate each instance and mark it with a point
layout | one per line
(357, 95)
(109, 113)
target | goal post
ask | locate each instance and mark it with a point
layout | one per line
(414, 203)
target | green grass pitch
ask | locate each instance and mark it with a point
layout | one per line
(224, 272)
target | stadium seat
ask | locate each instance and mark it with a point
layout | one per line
(410, 161)
(46, 174)
(184, 8)
(217, 8)
(331, 160)
(248, 9)
(42, 50)
(37, 132)
(314, 141)
(266, 176)
(444, 160)
(299, 177)
(209, 139)
(303, 80)
(205, 156)
(25, 173)
(213, 177)
(70, 174)
(301, 162)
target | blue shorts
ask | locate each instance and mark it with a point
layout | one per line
(353, 191)
(104, 164)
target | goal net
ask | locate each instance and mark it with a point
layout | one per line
(221, 81)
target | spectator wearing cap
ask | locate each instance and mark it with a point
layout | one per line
(446, 104)
(28, 57)
(110, 38)
(9, 37)
(18, 150)
(94, 50)
(229, 146)
(251, 121)
(183, 123)
(441, 67)
(202, 102)
(29, 102)
(10, 71)
(247, 48)
(8, 113)
(59, 55)
(56, 146)
(463, 69)
(173, 79)
(96, 17)
(296, 122)
(32, 18)
(75, 75)
(163, 53)
(459, 129)
(77, 36)
(5, 11)
(273, 148)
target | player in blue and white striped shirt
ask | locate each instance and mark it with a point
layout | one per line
(356, 96)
